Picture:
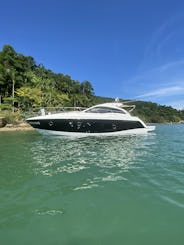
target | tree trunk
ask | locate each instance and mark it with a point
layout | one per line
(13, 95)
(0, 102)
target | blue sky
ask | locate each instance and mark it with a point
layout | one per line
(132, 49)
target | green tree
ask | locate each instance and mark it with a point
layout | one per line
(87, 88)
(29, 97)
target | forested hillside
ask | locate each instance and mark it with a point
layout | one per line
(150, 112)
(24, 84)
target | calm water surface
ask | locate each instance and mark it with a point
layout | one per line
(115, 190)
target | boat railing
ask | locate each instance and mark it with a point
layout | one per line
(38, 111)
(129, 108)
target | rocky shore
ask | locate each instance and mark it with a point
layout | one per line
(19, 127)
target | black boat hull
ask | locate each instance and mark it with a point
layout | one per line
(85, 126)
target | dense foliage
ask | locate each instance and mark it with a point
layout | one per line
(154, 113)
(25, 84)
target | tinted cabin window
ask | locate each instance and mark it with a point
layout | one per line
(104, 110)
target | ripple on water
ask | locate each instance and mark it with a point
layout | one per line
(94, 160)
(101, 188)
(51, 212)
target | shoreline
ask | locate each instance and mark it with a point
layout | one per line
(20, 127)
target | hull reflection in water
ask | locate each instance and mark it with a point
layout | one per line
(99, 160)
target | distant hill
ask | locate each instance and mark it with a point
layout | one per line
(150, 112)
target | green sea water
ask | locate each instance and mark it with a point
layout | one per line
(92, 191)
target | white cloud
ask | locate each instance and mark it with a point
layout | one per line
(168, 91)
(160, 75)
(161, 42)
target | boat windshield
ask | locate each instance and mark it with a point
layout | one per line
(101, 109)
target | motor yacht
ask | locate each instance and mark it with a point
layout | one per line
(106, 119)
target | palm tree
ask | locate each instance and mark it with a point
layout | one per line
(11, 72)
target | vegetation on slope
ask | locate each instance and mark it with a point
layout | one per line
(25, 84)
